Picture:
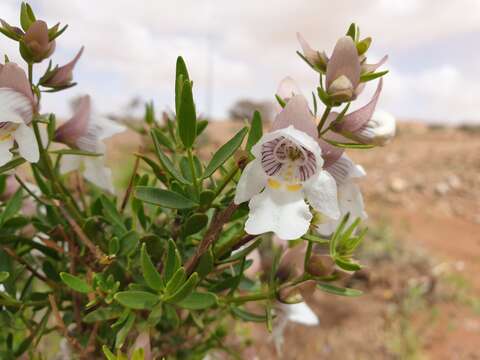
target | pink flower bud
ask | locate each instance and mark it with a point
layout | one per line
(63, 75)
(37, 43)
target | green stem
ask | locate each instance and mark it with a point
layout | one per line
(30, 73)
(308, 253)
(230, 175)
(250, 297)
(323, 119)
(193, 171)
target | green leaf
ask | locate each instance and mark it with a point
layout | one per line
(177, 279)
(149, 113)
(372, 76)
(315, 239)
(138, 300)
(4, 275)
(198, 301)
(339, 291)
(124, 331)
(347, 265)
(352, 31)
(323, 95)
(225, 152)
(248, 316)
(256, 131)
(161, 138)
(205, 264)
(187, 116)
(173, 260)
(164, 198)
(184, 290)
(103, 314)
(13, 206)
(241, 253)
(128, 242)
(201, 126)
(111, 213)
(349, 145)
(150, 273)
(75, 283)
(153, 165)
(194, 224)
(155, 315)
(108, 354)
(181, 75)
(74, 152)
(362, 46)
(280, 101)
(206, 197)
(26, 19)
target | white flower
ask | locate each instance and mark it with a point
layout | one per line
(379, 130)
(299, 313)
(87, 132)
(16, 113)
(288, 168)
(350, 200)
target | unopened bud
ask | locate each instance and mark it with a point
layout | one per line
(36, 45)
(320, 265)
(62, 76)
(341, 89)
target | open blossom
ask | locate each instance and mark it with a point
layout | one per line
(17, 106)
(63, 75)
(87, 132)
(350, 200)
(287, 169)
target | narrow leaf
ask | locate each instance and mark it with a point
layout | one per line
(164, 198)
(187, 116)
(184, 290)
(138, 300)
(75, 283)
(225, 152)
(339, 291)
(198, 301)
(150, 273)
(256, 131)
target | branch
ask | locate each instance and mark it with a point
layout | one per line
(211, 236)
(95, 250)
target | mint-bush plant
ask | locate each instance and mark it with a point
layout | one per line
(163, 268)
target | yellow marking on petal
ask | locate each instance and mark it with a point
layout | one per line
(274, 184)
(294, 187)
(5, 137)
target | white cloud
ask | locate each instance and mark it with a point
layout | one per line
(131, 48)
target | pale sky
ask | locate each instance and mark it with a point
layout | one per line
(248, 46)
